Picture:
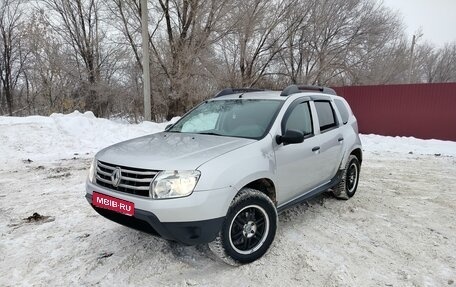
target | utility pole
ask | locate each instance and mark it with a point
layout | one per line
(146, 70)
(411, 59)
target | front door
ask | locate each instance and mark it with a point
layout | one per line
(297, 164)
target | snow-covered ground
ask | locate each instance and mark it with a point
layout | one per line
(398, 230)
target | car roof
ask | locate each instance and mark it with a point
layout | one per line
(273, 95)
(266, 95)
(291, 92)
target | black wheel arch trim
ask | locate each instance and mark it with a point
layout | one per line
(358, 152)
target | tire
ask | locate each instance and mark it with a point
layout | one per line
(350, 178)
(248, 230)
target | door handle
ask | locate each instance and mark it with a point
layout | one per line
(340, 139)
(316, 148)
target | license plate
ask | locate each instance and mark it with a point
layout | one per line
(112, 203)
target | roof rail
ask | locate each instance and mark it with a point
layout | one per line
(293, 89)
(230, 91)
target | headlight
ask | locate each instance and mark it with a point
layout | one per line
(92, 171)
(174, 183)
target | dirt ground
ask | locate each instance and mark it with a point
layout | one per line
(398, 230)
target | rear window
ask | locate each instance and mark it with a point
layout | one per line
(342, 110)
(326, 115)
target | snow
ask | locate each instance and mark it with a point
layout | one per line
(59, 136)
(403, 145)
(398, 230)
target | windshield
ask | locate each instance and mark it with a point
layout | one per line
(235, 118)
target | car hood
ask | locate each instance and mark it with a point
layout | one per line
(170, 151)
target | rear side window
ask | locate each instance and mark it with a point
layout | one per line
(326, 115)
(342, 110)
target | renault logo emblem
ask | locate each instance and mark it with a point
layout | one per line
(115, 177)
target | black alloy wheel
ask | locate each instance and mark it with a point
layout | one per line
(248, 229)
(352, 177)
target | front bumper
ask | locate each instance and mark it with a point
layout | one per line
(199, 206)
(188, 233)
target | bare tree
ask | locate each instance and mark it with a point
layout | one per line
(190, 29)
(127, 20)
(445, 68)
(12, 57)
(181, 38)
(388, 65)
(259, 35)
(78, 23)
(337, 38)
(45, 73)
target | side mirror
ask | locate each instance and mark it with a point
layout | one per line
(290, 137)
(168, 127)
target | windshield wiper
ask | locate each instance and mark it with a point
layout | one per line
(210, 133)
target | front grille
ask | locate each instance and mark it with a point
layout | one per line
(133, 180)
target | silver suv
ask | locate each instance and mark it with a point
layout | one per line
(222, 172)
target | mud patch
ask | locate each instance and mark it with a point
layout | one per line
(85, 235)
(66, 174)
(104, 255)
(36, 217)
(60, 169)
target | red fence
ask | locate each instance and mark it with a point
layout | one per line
(420, 110)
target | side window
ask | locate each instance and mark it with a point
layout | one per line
(342, 110)
(326, 115)
(300, 119)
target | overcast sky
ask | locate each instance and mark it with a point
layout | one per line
(436, 17)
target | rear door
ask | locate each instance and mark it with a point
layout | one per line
(330, 140)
